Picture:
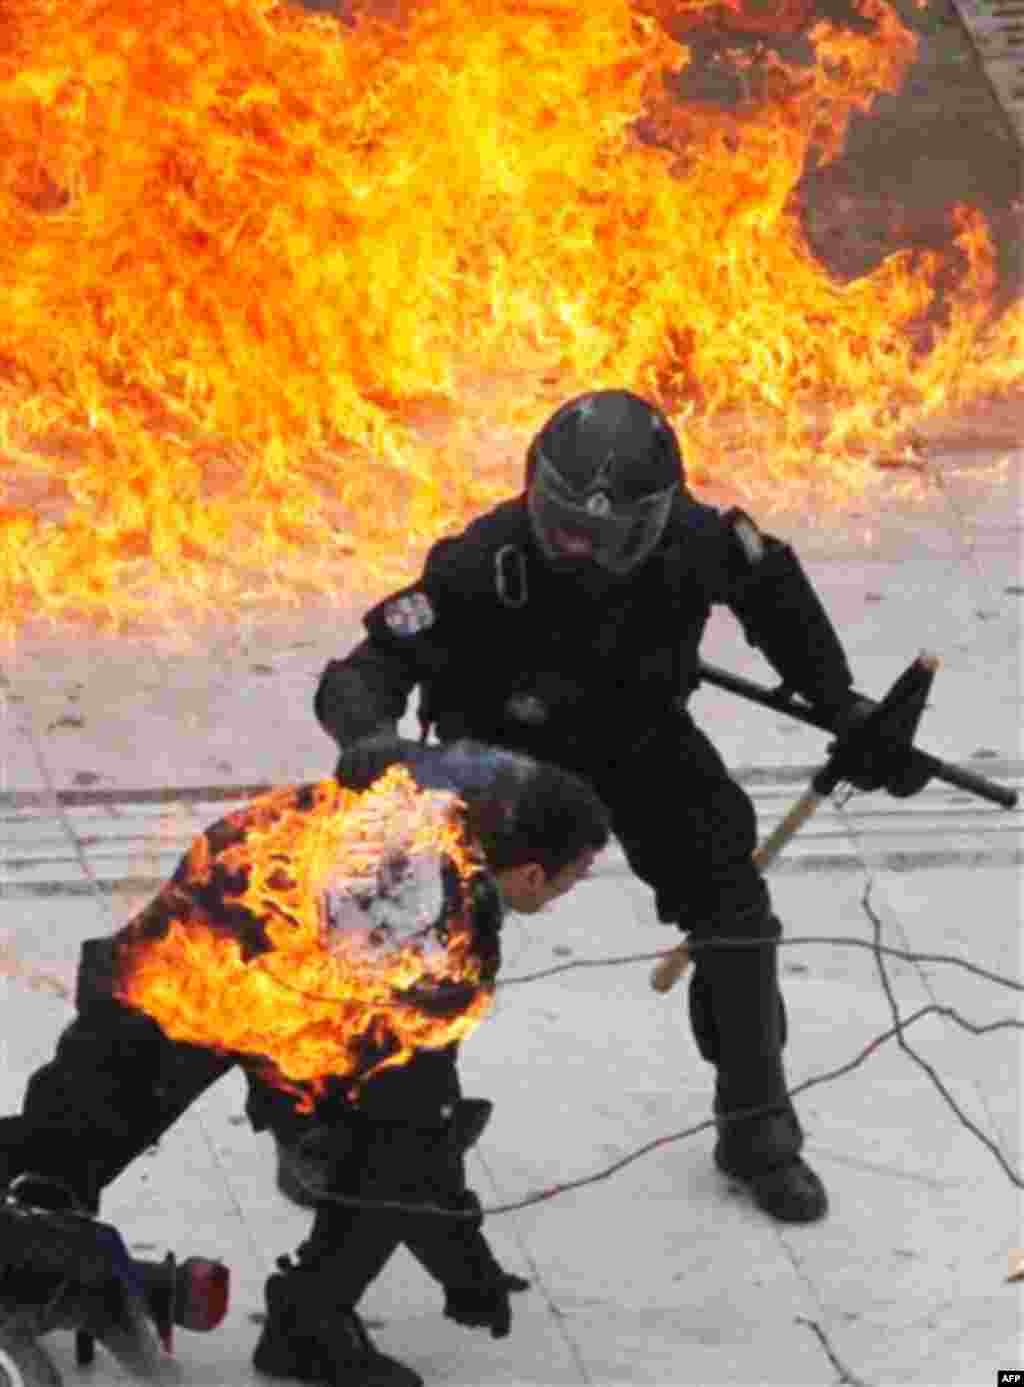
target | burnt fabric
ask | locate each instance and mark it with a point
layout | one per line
(116, 1082)
(115, 1085)
(594, 674)
(308, 1336)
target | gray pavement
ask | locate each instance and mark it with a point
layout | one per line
(116, 752)
(996, 28)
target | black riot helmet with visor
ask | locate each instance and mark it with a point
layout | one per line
(601, 478)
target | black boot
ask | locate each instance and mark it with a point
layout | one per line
(307, 1337)
(766, 1160)
(739, 1021)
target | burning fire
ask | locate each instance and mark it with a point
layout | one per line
(282, 298)
(304, 931)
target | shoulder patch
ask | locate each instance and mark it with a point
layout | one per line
(409, 614)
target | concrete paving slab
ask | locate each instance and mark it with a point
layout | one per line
(183, 710)
(997, 31)
(19, 758)
(39, 943)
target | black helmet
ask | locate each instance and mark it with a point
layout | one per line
(601, 476)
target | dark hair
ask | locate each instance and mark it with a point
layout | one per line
(532, 811)
(518, 809)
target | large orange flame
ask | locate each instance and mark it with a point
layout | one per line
(281, 299)
(298, 961)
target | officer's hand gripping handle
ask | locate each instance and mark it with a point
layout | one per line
(782, 700)
(891, 722)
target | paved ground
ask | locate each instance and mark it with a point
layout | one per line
(662, 1274)
(997, 32)
(951, 134)
(115, 751)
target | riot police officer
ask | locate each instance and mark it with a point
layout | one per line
(566, 623)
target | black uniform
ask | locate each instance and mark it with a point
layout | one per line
(594, 674)
(117, 1082)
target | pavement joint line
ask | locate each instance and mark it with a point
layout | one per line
(997, 768)
(881, 913)
(823, 1153)
(846, 1377)
(994, 39)
(59, 810)
(121, 839)
(558, 1315)
(113, 833)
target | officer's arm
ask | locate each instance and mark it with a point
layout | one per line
(363, 694)
(366, 693)
(783, 616)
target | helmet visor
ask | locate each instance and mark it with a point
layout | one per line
(616, 535)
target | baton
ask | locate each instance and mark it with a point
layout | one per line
(782, 701)
(891, 723)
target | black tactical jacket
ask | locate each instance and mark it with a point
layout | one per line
(506, 650)
(208, 889)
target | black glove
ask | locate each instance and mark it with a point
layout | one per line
(484, 1307)
(365, 761)
(901, 771)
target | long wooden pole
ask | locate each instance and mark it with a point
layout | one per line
(907, 693)
(668, 970)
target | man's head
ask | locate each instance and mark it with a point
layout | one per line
(528, 888)
(601, 476)
(538, 827)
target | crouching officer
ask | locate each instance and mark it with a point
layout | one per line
(566, 623)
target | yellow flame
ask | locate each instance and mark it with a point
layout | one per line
(311, 1010)
(282, 299)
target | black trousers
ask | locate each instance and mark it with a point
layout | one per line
(689, 830)
(403, 1143)
(115, 1085)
